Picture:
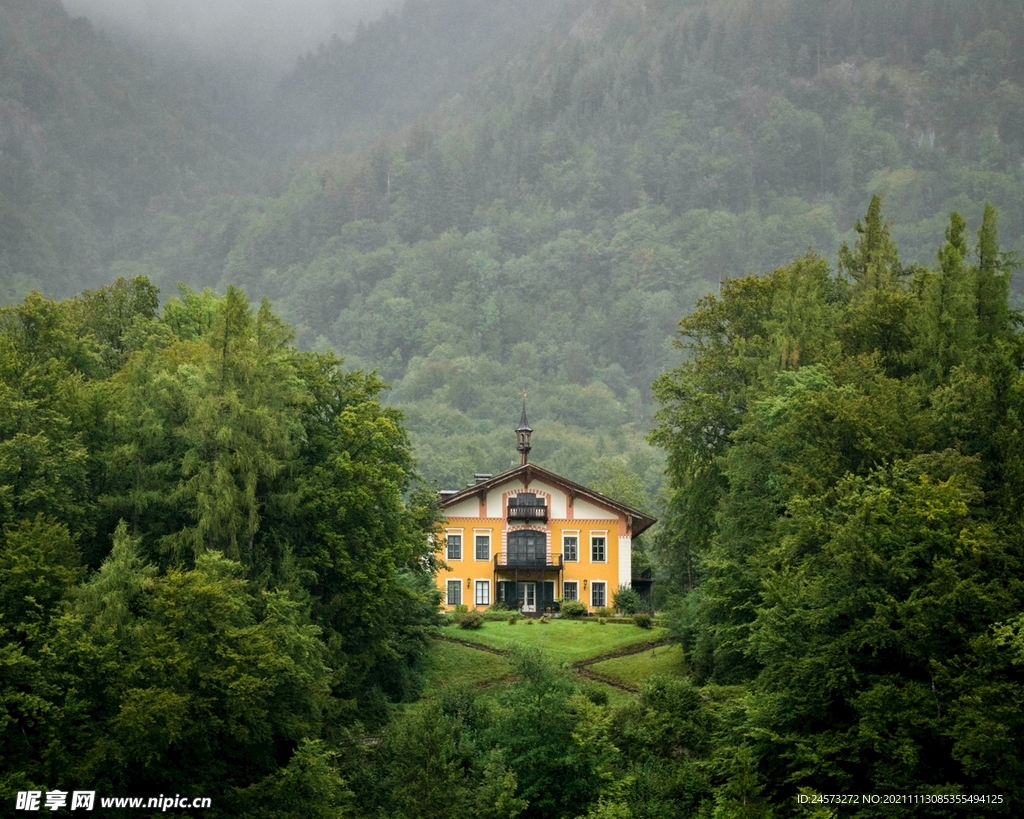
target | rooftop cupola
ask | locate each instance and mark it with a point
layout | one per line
(523, 436)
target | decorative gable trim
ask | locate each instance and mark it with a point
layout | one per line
(636, 521)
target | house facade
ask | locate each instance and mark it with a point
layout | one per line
(529, 538)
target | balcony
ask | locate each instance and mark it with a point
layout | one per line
(533, 511)
(527, 560)
(527, 513)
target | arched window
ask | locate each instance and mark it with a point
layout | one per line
(527, 546)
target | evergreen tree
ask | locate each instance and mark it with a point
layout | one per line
(946, 329)
(876, 320)
(873, 264)
(242, 428)
(992, 279)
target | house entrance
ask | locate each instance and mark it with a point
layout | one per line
(529, 597)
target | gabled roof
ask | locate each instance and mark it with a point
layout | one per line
(528, 473)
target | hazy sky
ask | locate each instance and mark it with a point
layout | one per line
(280, 30)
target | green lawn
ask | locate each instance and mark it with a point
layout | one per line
(450, 663)
(567, 640)
(635, 669)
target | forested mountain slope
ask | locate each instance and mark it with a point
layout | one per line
(402, 66)
(217, 568)
(580, 184)
(95, 141)
(548, 226)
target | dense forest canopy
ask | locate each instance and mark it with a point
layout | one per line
(216, 540)
(214, 554)
(844, 449)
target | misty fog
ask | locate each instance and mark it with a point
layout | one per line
(275, 31)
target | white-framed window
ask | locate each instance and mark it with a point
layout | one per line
(482, 593)
(483, 547)
(454, 592)
(598, 549)
(454, 546)
(570, 590)
(598, 597)
(571, 548)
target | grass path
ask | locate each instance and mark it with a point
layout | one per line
(586, 668)
(456, 661)
(627, 670)
(569, 640)
(618, 656)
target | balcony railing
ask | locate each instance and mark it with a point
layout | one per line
(516, 512)
(527, 560)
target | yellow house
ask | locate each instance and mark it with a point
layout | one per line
(529, 538)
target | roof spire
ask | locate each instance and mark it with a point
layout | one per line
(523, 435)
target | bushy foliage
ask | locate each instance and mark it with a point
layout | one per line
(573, 608)
(469, 619)
(627, 600)
(643, 620)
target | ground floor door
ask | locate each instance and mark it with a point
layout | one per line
(547, 601)
(529, 597)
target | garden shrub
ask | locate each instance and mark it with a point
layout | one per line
(573, 608)
(643, 619)
(628, 600)
(470, 619)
